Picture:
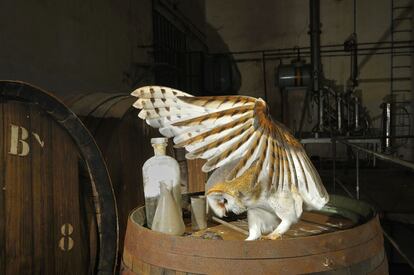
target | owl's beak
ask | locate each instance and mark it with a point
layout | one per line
(225, 211)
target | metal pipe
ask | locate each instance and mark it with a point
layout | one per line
(387, 125)
(355, 16)
(379, 155)
(334, 163)
(315, 32)
(295, 49)
(354, 56)
(356, 113)
(357, 175)
(320, 111)
(315, 39)
(351, 46)
(361, 51)
(377, 137)
(348, 115)
(354, 64)
(279, 56)
(264, 76)
(339, 112)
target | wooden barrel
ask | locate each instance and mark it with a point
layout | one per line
(356, 250)
(57, 208)
(125, 142)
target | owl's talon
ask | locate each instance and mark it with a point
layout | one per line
(272, 236)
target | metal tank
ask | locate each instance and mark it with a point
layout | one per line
(296, 74)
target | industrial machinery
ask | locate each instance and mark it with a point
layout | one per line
(338, 108)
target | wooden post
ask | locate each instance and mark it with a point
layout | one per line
(196, 178)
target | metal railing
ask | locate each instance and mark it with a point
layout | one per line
(388, 158)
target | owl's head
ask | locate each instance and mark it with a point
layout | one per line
(223, 201)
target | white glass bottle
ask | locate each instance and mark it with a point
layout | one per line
(157, 169)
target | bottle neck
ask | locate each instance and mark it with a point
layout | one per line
(159, 149)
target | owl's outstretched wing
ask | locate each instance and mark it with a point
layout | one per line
(223, 128)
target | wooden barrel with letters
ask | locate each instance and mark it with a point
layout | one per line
(125, 142)
(344, 238)
(57, 208)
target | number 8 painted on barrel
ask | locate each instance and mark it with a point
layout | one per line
(66, 242)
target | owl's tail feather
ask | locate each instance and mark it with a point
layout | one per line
(313, 200)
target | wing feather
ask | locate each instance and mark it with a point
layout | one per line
(262, 152)
(291, 171)
(252, 143)
(214, 116)
(230, 153)
(265, 174)
(219, 141)
(276, 167)
(219, 102)
(158, 92)
(189, 138)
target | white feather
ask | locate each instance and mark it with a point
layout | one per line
(157, 92)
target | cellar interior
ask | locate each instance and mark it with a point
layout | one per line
(262, 109)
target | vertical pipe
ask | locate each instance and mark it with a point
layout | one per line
(411, 141)
(315, 32)
(348, 114)
(264, 76)
(339, 112)
(357, 175)
(320, 111)
(354, 51)
(386, 126)
(334, 163)
(354, 61)
(356, 102)
(355, 19)
(392, 48)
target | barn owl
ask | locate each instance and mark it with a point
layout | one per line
(259, 166)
